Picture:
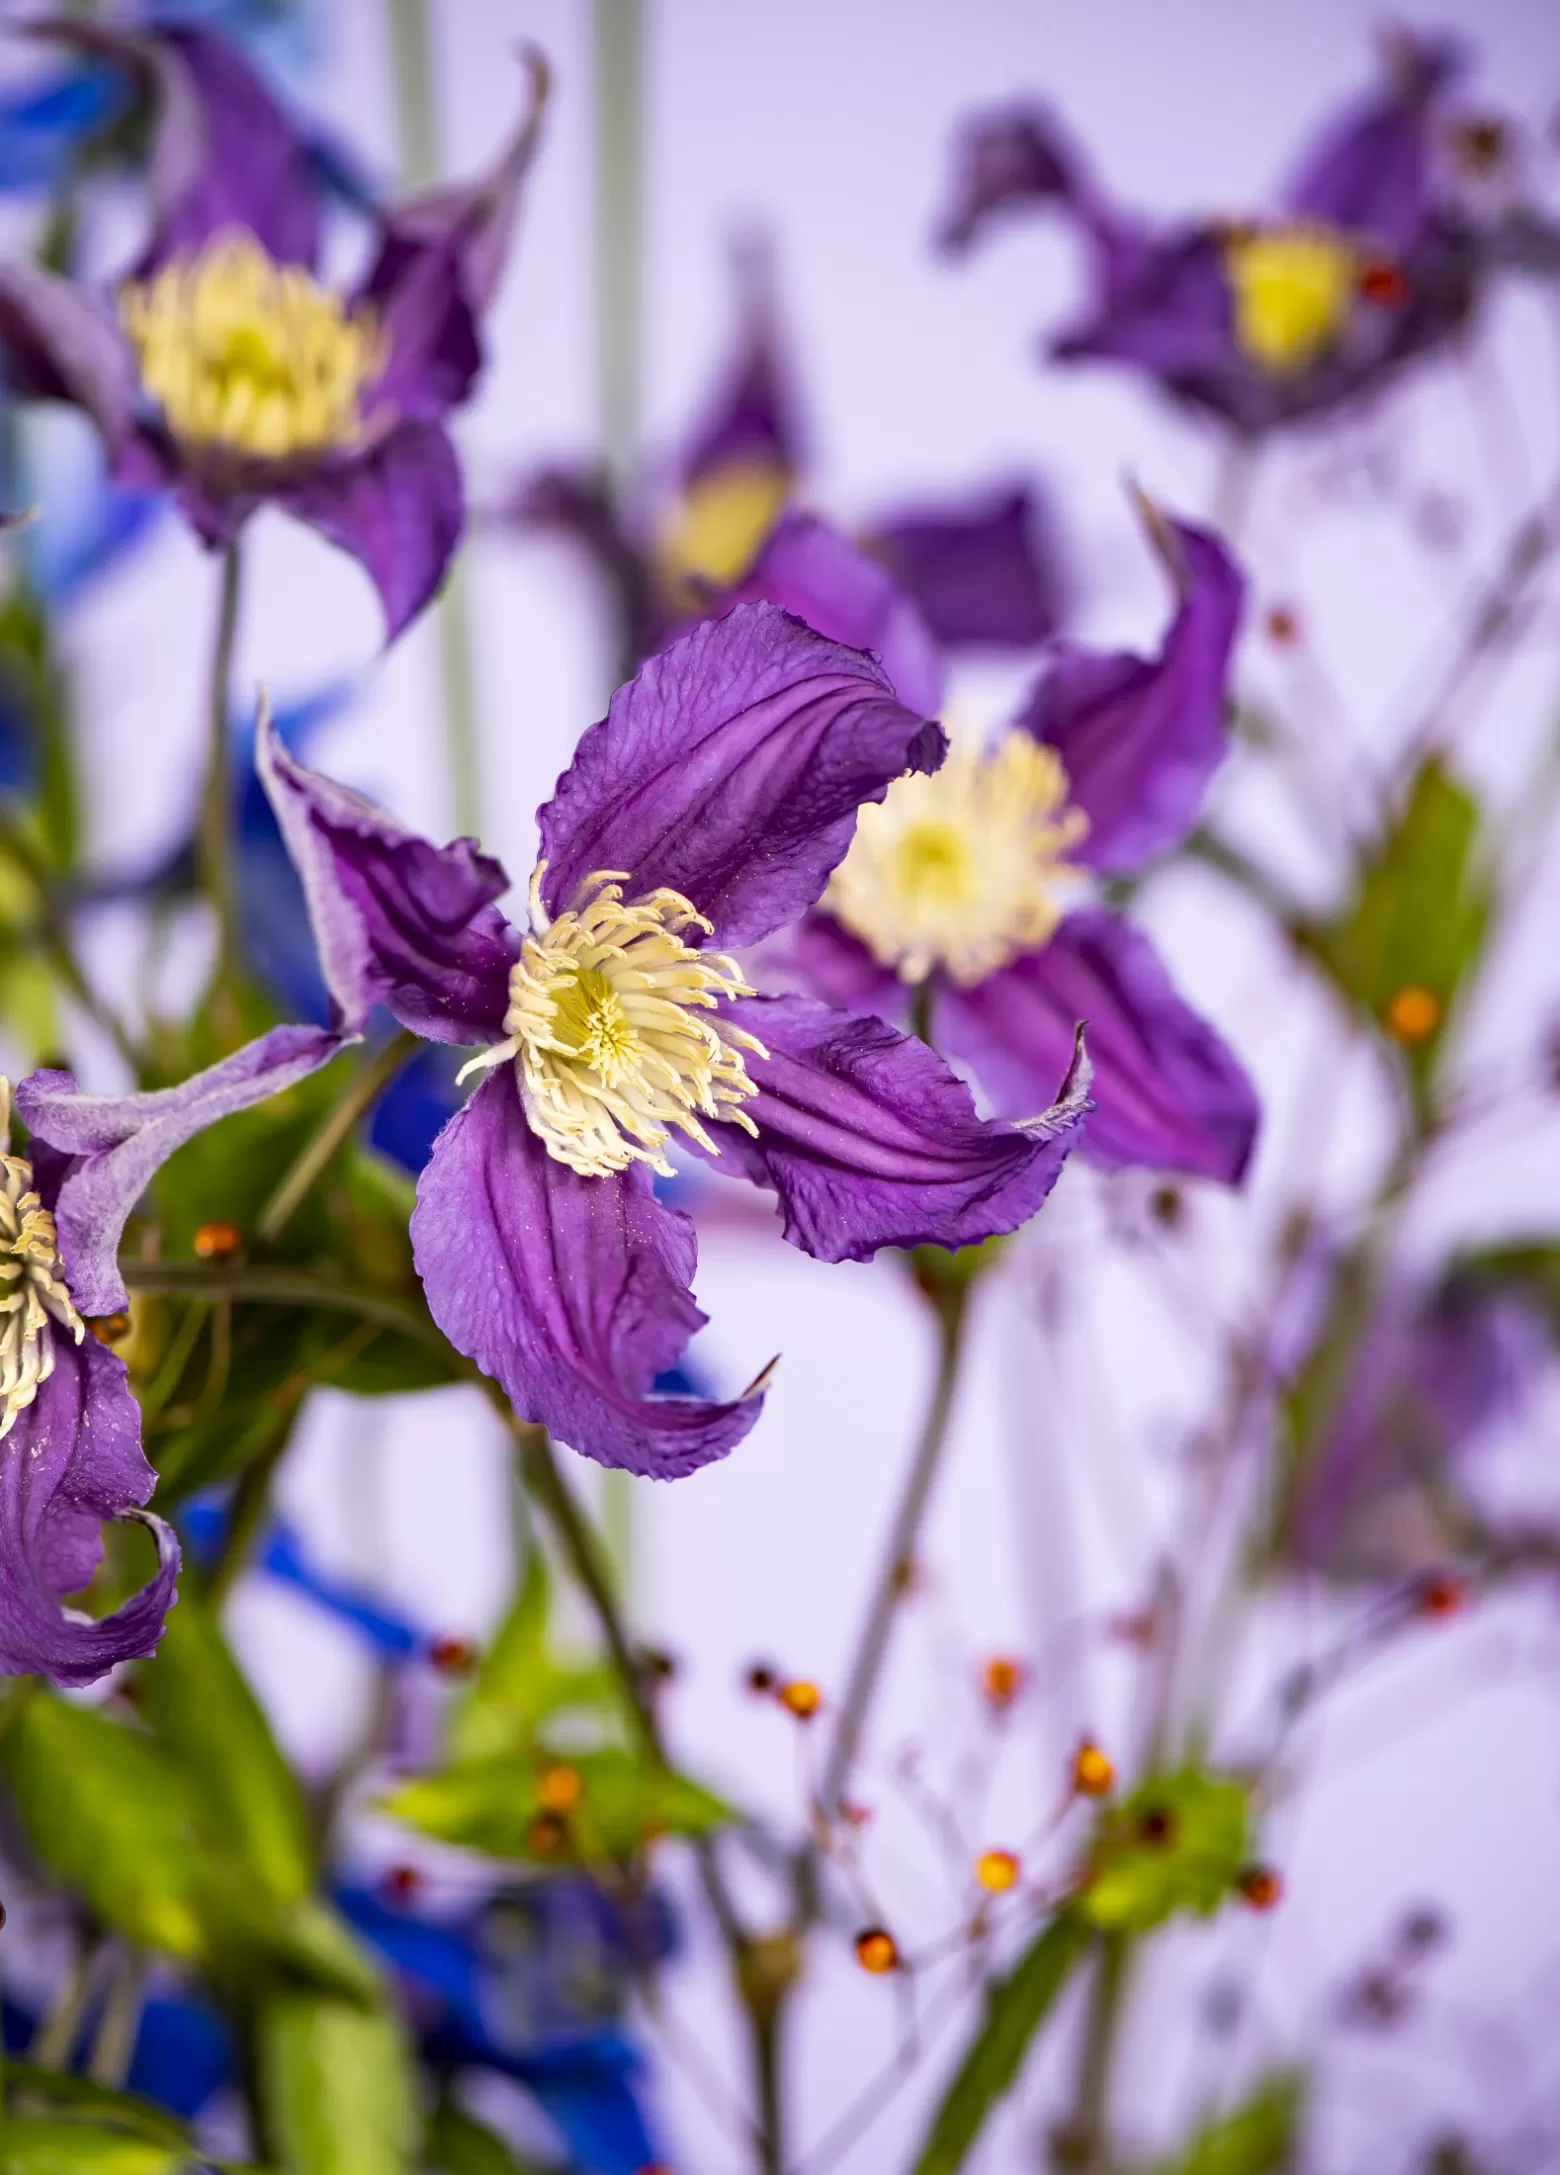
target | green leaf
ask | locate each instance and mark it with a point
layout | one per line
(1177, 1843)
(337, 2086)
(1016, 2007)
(208, 1722)
(33, 687)
(521, 1683)
(458, 2144)
(490, 1804)
(79, 2098)
(54, 2145)
(1259, 2137)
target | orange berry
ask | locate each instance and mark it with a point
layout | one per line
(854, 1815)
(560, 1788)
(1094, 1774)
(1383, 283)
(546, 1835)
(997, 1871)
(801, 1697)
(1441, 1593)
(110, 1328)
(452, 1656)
(1413, 1014)
(1002, 1680)
(876, 1950)
(1260, 1886)
(401, 1882)
(1283, 626)
(217, 1241)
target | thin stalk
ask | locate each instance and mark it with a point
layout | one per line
(1083, 2143)
(113, 2045)
(292, 1288)
(895, 1572)
(362, 1092)
(53, 935)
(215, 839)
(54, 2041)
(246, 1519)
(618, 33)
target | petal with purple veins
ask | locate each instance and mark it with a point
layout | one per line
(398, 508)
(982, 571)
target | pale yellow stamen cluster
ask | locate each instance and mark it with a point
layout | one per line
(1291, 288)
(32, 1282)
(250, 357)
(956, 873)
(612, 1029)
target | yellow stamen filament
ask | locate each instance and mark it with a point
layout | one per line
(719, 527)
(251, 357)
(32, 1283)
(1291, 288)
(612, 1030)
(957, 872)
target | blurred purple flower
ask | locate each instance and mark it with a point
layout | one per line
(1365, 264)
(713, 802)
(231, 375)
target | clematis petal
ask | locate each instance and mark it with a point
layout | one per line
(571, 1292)
(430, 331)
(752, 419)
(117, 1143)
(1140, 738)
(824, 956)
(1168, 1092)
(983, 571)
(1006, 161)
(730, 768)
(396, 920)
(60, 343)
(869, 1140)
(399, 509)
(72, 1459)
(813, 571)
(1372, 172)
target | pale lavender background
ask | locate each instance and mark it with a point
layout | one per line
(1439, 1776)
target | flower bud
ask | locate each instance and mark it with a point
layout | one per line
(1094, 1773)
(1261, 1888)
(110, 1328)
(877, 1951)
(559, 1788)
(801, 1697)
(452, 1656)
(217, 1241)
(1002, 1679)
(997, 1871)
(1413, 1014)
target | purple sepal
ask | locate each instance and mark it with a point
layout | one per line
(1006, 161)
(116, 1143)
(831, 961)
(395, 919)
(730, 769)
(61, 343)
(399, 509)
(1168, 1092)
(571, 1292)
(73, 1459)
(1141, 738)
(818, 575)
(1372, 172)
(752, 416)
(983, 572)
(869, 1140)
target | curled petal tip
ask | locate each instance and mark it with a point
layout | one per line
(1161, 533)
(1073, 1100)
(760, 1382)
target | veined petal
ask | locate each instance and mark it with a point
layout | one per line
(826, 958)
(117, 1143)
(571, 1292)
(1140, 738)
(730, 769)
(398, 508)
(983, 571)
(397, 920)
(1168, 1092)
(73, 1458)
(752, 417)
(869, 1140)
(60, 343)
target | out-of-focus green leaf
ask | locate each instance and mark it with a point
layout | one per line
(205, 1717)
(491, 1804)
(54, 2145)
(338, 2088)
(458, 2144)
(80, 2099)
(1177, 1843)
(32, 685)
(1016, 2007)
(1417, 920)
(1259, 2137)
(521, 1683)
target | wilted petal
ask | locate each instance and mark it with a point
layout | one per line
(73, 1459)
(730, 769)
(571, 1292)
(981, 572)
(1168, 1093)
(1006, 161)
(397, 920)
(118, 1142)
(869, 1140)
(1140, 738)
(1372, 172)
(810, 569)
(398, 508)
(61, 343)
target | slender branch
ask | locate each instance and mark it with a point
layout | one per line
(113, 2046)
(215, 839)
(291, 1287)
(895, 1571)
(367, 1085)
(53, 935)
(1083, 2142)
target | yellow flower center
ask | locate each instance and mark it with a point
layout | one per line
(958, 872)
(249, 356)
(612, 1029)
(718, 528)
(32, 1283)
(1291, 288)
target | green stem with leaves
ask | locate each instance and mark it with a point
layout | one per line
(215, 838)
(373, 1076)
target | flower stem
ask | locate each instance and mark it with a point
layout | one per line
(895, 1572)
(215, 841)
(113, 2045)
(1083, 2143)
(366, 1086)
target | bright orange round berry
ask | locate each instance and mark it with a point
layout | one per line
(1002, 1680)
(1094, 1773)
(1384, 283)
(1261, 1887)
(110, 1328)
(452, 1656)
(997, 1871)
(1413, 1014)
(560, 1788)
(801, 1697)
(876, 1950)
(217, 1241)
(1441, 1593)
(546, 1835)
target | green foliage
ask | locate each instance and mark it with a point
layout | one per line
(34, 691)
(1016, 2007)
(338, 2087)
(522, 1684)
(1259, 2137)
(54, 2145)
(78, 2099)
(491, 1804)
(1177, 1843)
(458, 2144)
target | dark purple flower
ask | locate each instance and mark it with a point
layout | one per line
(1365, 263)
(956, 886)
(228, 373)
(983, 572)
(709, 808)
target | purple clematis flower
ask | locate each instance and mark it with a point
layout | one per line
(230, 374)
(708, 809)
(1366, 263)
(955, 886)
